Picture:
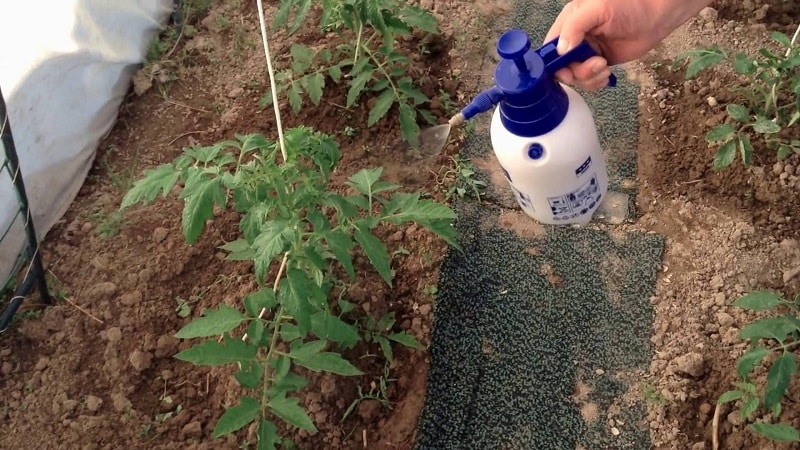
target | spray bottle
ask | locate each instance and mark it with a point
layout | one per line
(543, 133)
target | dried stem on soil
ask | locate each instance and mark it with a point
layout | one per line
(715, 428)
(88, 314)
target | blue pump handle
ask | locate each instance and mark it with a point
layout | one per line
(555, 62)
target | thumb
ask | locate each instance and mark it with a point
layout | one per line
(583, 17)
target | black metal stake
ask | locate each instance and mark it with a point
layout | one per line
(36, 272)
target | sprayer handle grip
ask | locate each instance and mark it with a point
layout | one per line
(555, 62)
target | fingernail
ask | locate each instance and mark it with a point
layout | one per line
(563, 46)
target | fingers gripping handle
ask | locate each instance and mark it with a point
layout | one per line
(555, 62)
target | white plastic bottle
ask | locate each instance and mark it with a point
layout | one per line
(543, 133)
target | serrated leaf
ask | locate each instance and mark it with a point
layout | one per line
(290, 332)
(778, 379)
(749, 406)
(253, 142)
(263, 298)
(406, 340)
(329, 362)
(376, 252)
(271, 242)
(357, 86)
(743, 65)
(720, 133)
(408, 125)
(730, 396)
(725, 155)
(335, 72)
(289, 409)
(158, 181)
(758, 301)
(329, 327)
(238, 250)
(702, 59)
(307, 350)
(303, 6)
(382, 105)
(213, 353)
(295, 99)
(237, 417)
(738, 112)
(298, 296)
(250, 376)
(784, 151)
(289, 382)
(282, 16)
(416, 17)
(268, 438)
(778, 432)
(341, 245)
(769, 328)
(214, 322)
(386, 347)
(199, 207)
(255, 332)
(749, 360)
(408, 207)
(765, 126)
(746, 150)
(364, 179)
(314, 86)
(302, 56)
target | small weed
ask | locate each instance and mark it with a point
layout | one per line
(769, 100)
(107, 225)
(772, 338)
(652, 396)
(377, 392)
(460, 179)
(430, 290)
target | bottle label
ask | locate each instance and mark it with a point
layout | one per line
(577, 202)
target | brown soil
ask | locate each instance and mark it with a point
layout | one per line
(97, 377)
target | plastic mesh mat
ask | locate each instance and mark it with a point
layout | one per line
(532, 330)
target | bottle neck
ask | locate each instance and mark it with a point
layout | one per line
(530, 116)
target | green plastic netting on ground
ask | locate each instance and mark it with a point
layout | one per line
(531, 334)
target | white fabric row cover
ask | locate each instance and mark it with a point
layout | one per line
(66, 67)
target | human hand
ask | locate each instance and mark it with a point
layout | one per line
(619, 30)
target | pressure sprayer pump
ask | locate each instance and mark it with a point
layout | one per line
(543, 133)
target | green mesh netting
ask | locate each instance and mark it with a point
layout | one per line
(530, 334)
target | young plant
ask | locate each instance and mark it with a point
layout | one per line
(291, 222)
(772, 338)
(770, 102)
(369, 63)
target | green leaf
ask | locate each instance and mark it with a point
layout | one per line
(416, 17)
(307, 350)
(329, 327)
(270, 243)
(335, 73)
(346, 306)
(743, 65)
(769, 328)
(738, 112)
(341, 245)
(298, 296)
(376, 252)
(407, 207)
(408, 125)
(238, 250)
(357, 86)
(781, 38)
(302, 56)
(749, 360)
(779, 432)
(725, 155)
(213, 353)
(765, 126)
(720, 133)
(407, 340)
(382, 105)
(156, 181)
(758, 301)
(303, 6)
(289, 382)
(746, 150)
(730, 396)
(214, 322)
(289, 409)
(749, 407)
(255, 332)
(295, 97)
(386, 347)
(263, 298)
(250, 377)
(314, 85)
(784, 151)
(199, 207)
(329, 362)
(237, 417)
(702, 59)
(268, 438)
(364, 179)
(253, 142)
(290, 332)
(778, 379)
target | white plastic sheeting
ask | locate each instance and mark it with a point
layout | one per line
(66, 66)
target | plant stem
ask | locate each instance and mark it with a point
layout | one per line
(381, 68)
(276, 327)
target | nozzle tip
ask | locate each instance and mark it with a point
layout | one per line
(456, 120)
